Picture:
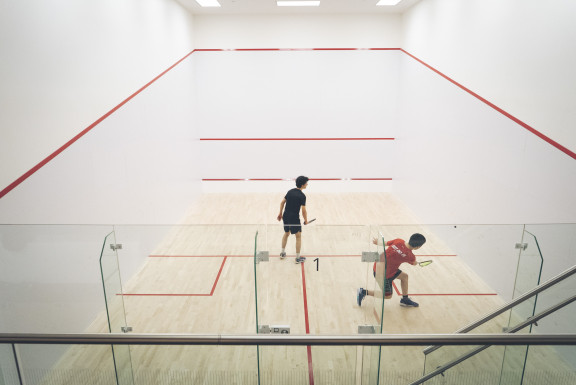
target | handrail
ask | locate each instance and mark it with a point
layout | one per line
(551, 282)
(288, 340)
(520, 326)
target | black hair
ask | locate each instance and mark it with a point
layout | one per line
(301, 181)
(417, 240)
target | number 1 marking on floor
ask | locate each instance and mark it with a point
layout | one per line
(317, 263)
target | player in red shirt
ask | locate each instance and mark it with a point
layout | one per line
(396, 254)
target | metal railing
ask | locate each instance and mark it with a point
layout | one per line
(290, 340)
(538, 289)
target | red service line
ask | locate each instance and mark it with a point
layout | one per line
(249, 139)
(282, 179)
(440, 294)
(180, 294)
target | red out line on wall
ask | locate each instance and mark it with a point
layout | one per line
(30, 172)
(509, 116)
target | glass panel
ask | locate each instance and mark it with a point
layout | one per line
(8, 369)
(112, 285)
(191, 279)
(79, 364)
(279, 296)
(528, 276)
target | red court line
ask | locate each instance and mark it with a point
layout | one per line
(281, 179)
(185, 295)
(440, 294)
(308, 348)
(249, 139)
(509, 116)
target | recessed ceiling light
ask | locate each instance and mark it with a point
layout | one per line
(388, 2)
(306, 3)
(208, 3)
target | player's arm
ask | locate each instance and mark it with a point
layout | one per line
(281, 209)
(305, 215)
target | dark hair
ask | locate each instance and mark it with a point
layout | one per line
(301, 181)
(417, 240)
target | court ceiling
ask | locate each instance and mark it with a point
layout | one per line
(229, 7)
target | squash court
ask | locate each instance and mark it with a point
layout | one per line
(200, 279)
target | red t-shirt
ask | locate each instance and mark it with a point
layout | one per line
(396, 254)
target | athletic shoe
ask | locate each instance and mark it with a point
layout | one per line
(360, 294)
(282, 255)
(300, 259)
(408, 302)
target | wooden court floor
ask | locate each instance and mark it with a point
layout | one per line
(203, 280)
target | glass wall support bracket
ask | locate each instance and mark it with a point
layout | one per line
(262, 256)
(366, 329)
(273, 329)
(370, 256)
(116, 246)
(521, 246)
(126, 329)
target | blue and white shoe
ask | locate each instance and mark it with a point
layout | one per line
(360, 294)
(300, 259)
(282, 255)
(408, 302)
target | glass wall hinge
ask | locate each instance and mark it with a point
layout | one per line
(116, 246)
(126, 329)
(522, 246)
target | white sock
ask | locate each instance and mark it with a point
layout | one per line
(283, 250)
(297, 255)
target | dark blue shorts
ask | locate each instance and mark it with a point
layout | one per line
(388, 283)
(292, 225)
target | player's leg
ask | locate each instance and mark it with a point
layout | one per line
(405, 301)
(299, 247)
(284, 241)
(298, 242)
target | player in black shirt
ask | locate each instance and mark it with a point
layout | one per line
(293, 200)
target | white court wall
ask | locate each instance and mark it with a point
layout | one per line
(300, 94)
(470, 163)
(139, 165)
(65, 63)
(518, 54)
(297, 31)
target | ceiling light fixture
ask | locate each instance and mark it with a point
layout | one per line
(208, 3)
(388, 2)
(292, 3)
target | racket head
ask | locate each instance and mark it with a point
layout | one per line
(425, 263)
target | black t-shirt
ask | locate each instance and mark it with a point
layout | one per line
(294, 199)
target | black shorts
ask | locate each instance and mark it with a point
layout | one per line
(388, 283)
(292, 225)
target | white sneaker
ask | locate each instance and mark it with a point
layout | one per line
(283, 255)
